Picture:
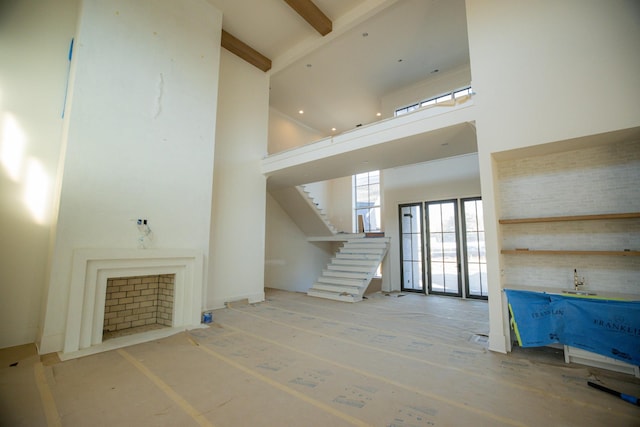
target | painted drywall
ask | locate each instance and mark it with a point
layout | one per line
(340, 207)
(285, 132)
(141, 117)
(452, 178)
(319, 192)
(334, 197)
(545, 72)
(34, 40)
(435, 85)
(236, 266)
(291, 262)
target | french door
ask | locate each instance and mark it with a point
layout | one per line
(411, 250)
(474, 249)
(435, 256)
(443, 258)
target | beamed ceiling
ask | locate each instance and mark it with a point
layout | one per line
(335, 59)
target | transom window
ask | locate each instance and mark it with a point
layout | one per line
(435, 100)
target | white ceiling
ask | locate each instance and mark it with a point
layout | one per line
(348, 74)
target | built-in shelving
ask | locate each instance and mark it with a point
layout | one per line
(628, 215)
(567, 252)
(527, 251)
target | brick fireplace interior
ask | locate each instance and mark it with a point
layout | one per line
(138, 304)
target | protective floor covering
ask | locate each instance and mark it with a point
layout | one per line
(293, 360)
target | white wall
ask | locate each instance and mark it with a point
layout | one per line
(428, 88)
(285, 132)
(34, 41)
(319, 192)
(334, 197)
(452, 178)
(546, 71)
(236, 267)
(292, 263)
(340, 208)
(141, 119)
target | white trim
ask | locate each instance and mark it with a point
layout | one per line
(92, 267)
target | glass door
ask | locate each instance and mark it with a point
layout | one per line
(411, 252)
(443, 262)
(475, 259)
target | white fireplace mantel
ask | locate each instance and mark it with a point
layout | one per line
(90, 271)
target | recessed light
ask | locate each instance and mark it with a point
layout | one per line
(301, 112)
(400, 60)
(378, 114)
(333, 129)
(365, 34)
(309, 65)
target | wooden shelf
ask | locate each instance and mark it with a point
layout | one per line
(628, 215)
(567, 252)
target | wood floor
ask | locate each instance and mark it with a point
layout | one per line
(391, 360)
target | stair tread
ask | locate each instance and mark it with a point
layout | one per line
(347, 262)
(335, 288)
(337, 297)
(341, 281)
(350, 271)
(352, 268)
(345, 274)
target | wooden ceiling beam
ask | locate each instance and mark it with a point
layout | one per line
(312, 14)
(244, 51)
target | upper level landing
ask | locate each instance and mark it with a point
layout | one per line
(423, 135)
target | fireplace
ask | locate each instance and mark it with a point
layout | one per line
(91, 271)
(137, 304)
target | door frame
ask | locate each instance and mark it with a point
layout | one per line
(420, 205)
(428, 248)
(465, 250)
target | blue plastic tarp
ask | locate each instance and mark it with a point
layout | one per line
(603, 326)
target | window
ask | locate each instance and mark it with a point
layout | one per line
(367, 200)
(467, 91)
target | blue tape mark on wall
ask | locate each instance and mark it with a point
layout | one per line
(66, 88)
(607, 327)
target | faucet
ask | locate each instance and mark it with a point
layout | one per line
(577, 282)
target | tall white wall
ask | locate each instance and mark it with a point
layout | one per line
(452, 178)
(546, 71)
(141, 119)
(236, 266)
(34, 41)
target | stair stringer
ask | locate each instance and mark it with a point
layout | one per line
(302, 209)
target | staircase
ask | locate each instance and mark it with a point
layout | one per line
(303, 210)
(350, 271)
